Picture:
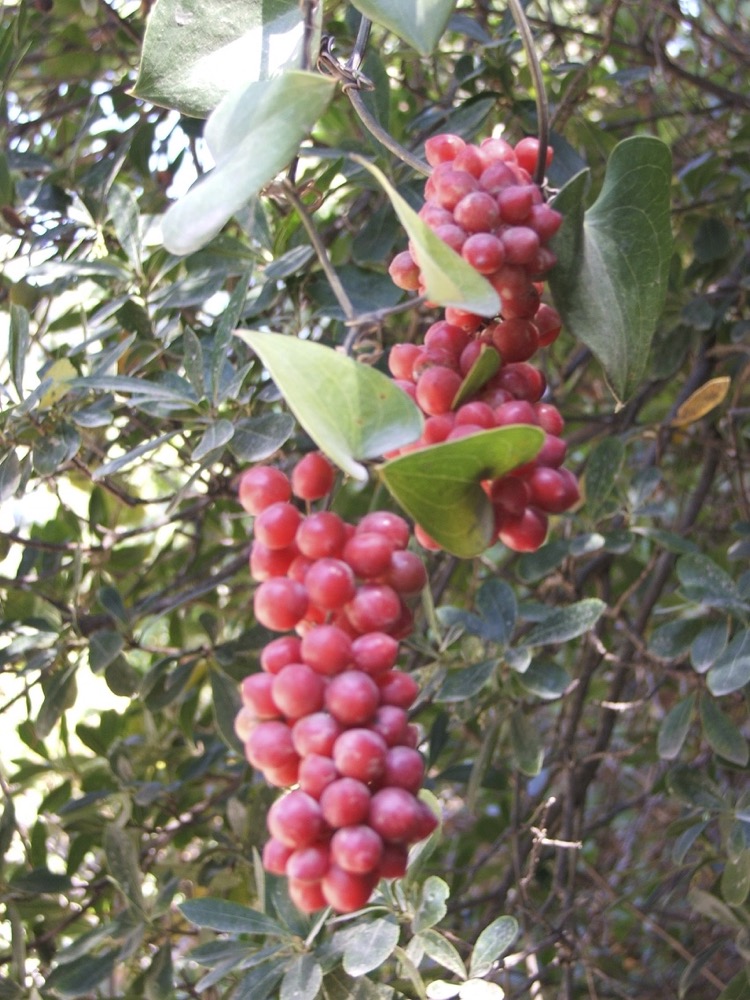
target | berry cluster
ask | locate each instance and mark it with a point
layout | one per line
(481, 201)
(328, 712)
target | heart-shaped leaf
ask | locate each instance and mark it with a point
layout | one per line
(613, 260)
(350, 410)
(448, 279)
(252, 135)
(440, 486)
(194, 53)
(418, 22)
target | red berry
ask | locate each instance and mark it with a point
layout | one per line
(308, 864)
(404, 271)
(374, 652)
(497, 149)
(315, 734)
(352, 697)
(522, 381)
(515, 203)
(368, 553)
(477, 413)
(307, 896)
(450, 186)
(277, 525)
(527, 154)
(470, 159)
(330, 583)
(452, 235)
(393, 526)
(298, 690)
(549, 324)
(265, 562)
(398, 688)
(394, 814)
(276, 856)
(345, 802)
(261, 486)
(321, 534)
(356, 849)
(477, 212)
(374, 608)
(468, 321)
(295, 819)
(391, 723)
(270, 745)
(280, 603)
(436, 390)
(549, 418)
(525, 533)
(279, 652)
(515, 339)
(446, 337)
(312, 477)
(437, 428)
(406, 573)
(394, 861)
(404, 768)
(496, 177)
(316, 772)
(521, 245)
(484, 252)
(347, 892)
(545, 220)
(327, 649)
(509, 495)
(442, 148)
(402, 358)
(360, 753)
(256, 694)
(516, 411)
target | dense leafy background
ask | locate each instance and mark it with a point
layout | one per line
(593, 783)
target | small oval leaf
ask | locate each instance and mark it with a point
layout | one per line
(706, 398)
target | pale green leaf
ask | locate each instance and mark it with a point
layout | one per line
(421, 23)
(674, 728)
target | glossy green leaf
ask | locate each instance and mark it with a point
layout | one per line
(10, 475)
(448, 279)
(610, 281)
(366, 947)
(566, 623)
(723, 736)
(421, 23)
(252, 135)
(350, 410)
(526, 744)
(302, 979)
(492, 944)
(731, 671)
(194, 53)
(432, 904)
(440, 486)
(222, 915)
(440, 950)
(674, 728)
(58, 697)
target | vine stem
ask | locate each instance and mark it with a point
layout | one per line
(542, 109)
(325, 261)
(373, 126)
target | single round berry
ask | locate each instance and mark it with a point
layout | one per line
(330, 583)
(404, 271)
(527, 154)
(345, 802)
(316, 734)
(394, 861)
(270, 745)
(477, 212)
(352, 697)
(346, 892)
(275, 856)
(280, 603)
(356, 849)
(277, 525)
(404, 768)
(515, 339)
(327, 649)
(391, 723)
(298, 690)
(368, 553)
(374, 652)
(312, 477)
(436, 389)
(394, 814)
(402, 358)
(406, 573)
(295, 819)
(525, 533)
(443, 148)
(451, 185)
(265, 562)
(316, 772)
(484, 252)
(321, 534)
(307, 896)
(360, 753)
(308, 864)
(385, 522)
(257, 695)
(279, 652)
(374, 608)
(515, 203)
(261, 486)
(397, 688)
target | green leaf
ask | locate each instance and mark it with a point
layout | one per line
(40, 881)
(466, 682)
(448, 279)
(177, 391)
(438, 989)
(116, 464)
(252, 135)
(735, 879)
(221, 915)
(257, 438)
(611, 277)
(526, 744)
(674, 728)
(226, 701)
(10, 475)
(80, 978)
(421, 23)
(123, 211)
(194, 53)
(566, 623)
(731, 671)
(602, 469)
(368, 946)
(214, 437)
(723, 736)
(486, 365)
(739, 987)
(480, 989)
(18, 345)
(702, 580)
(440, 950)
(496, 603)
(440, 486)
(104, 646)
(123, 863)
(302, 979)
(708, 646)
(223, 336)
(432, 904)
(350, 410)
(492, 944)
(59, 696)
(545, 679)
(713, 908)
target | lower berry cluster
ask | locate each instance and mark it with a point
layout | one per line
(328, 712)
(481, 201)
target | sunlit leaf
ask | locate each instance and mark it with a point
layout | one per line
(349, 409)
(487, 363)
(419, 22)
(706, 398)
(492, 944)
(440, 486)
(613, 261)
(252, 135)
(448, 279)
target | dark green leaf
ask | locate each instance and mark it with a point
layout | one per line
(533, 566)
(40, 881)
(496, 603)
(226, 704)
(104, 646)
(221, 915)
(193, 53)
(419, 22)
(123, 211)
(10, 475)
(223, 337)
(366, 947)
(492, 944)
(602, 469)
(192, 359)
(253, 134)
(613, 263)
(58, 697)
(702, 580)
(79, 978)
(466, 682)
(119, 463)
(545, 679)
(440, 486)
(566, 623)
(432, 904)
(214, 438)
(18, 345)
(257, 438)
(731, 671)
(712, 241)
(350, 410)
(674, 728)
(723, 736)
(735, 879)
(124, 864)
(528, 752)
(708, 645)
(259, 983)
(302, 979)
(739, 987)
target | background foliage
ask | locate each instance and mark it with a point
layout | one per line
(593, 783)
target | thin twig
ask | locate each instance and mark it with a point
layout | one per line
(373, 126)
(542, 109)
